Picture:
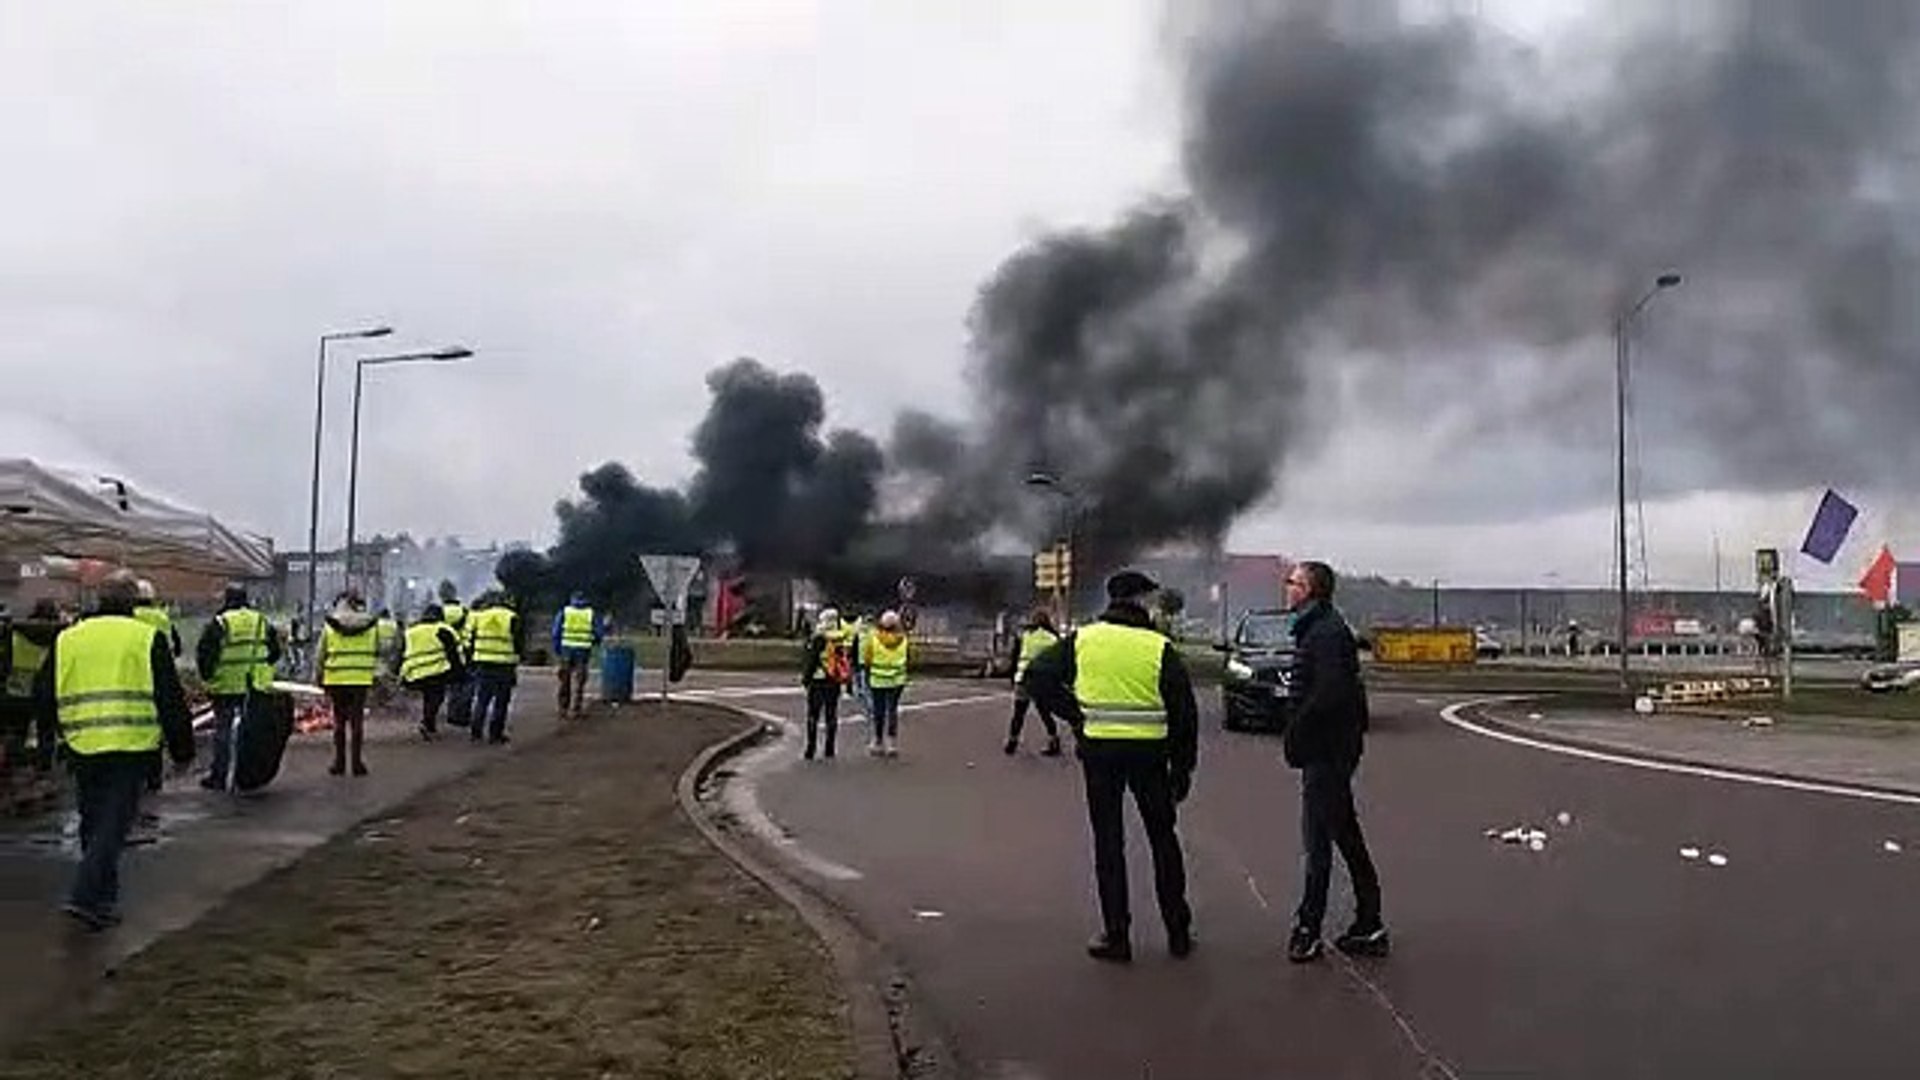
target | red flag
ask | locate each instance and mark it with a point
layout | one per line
(1877, 582)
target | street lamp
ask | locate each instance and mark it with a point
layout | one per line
(313, 491)
(1622, 332)
(429, 356)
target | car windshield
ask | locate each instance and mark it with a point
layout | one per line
(1264, 631)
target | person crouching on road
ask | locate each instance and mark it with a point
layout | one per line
(494, 647)
(348, 659)
(824, 670)
(1123, 687)
(884, 653)
(1037, 638)
(1324, 740)
(110, 692)
(577, 631)
(430, 663)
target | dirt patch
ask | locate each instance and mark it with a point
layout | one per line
(551, 915)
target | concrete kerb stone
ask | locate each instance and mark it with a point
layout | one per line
(890, 1040)
(1481, 714)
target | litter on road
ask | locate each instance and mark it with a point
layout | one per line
(1689, 852)
(1891, 847)
(928, 913)
(1564, 818)
(1717, 859)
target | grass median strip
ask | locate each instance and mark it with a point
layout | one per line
(550, 915)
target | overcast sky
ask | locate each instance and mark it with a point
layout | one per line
(604, 200)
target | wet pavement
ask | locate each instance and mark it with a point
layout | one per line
(210, 844)
(1773, 950)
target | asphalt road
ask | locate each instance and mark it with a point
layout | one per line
(1607, 954)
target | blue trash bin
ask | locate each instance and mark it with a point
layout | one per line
(616, 673)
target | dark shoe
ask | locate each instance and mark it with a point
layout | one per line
(1362, 939)
(1180, 942)
(91, 919)
(213, 783)
(427, 734)
(1304, 946)
(1053, 748)
(1112, 948)
(359, 768)
(498, 740)
(338, 768)
(807, 753)
(1012, 747)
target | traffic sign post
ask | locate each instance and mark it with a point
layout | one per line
(671, 575)
(1053, 570)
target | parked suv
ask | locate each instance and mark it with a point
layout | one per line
(1256, 690)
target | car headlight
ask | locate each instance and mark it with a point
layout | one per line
(1239, 669)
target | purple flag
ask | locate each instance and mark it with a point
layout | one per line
(1831, 524)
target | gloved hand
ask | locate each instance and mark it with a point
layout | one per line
(1181, 782)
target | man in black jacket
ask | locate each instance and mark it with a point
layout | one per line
(1324, 740)
(1126, 693)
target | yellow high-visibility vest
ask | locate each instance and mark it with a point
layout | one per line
(103, 686)
(576, 628)
(1117, 681)
(387, 634)
(350, 658)
(491, 634)
(886, 664)
(454, 615)
(425, 656)
(1032, 644)
(155, 616)
(28, 658)
(243, 654)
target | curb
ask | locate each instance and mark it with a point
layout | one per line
(1532, 731)
(887, 1043)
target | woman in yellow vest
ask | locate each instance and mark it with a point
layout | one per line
(825, 668)
(348, 658)
(884, 654)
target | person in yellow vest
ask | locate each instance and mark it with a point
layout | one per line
(494, 636)
(386, 630)
(110, 694)
(348, 660)
(236, 652)
(884, 653)
(825, 668)
(577, 631)
(1125, 691)
(433, 660)
(29, 640)
(460, 691)
(149, 610)
(1036, 638)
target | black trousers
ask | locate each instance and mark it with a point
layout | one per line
(493, 692)
(1327, 821)
(108, 789)
(1111, 770)
(433, 694)
(823, 703)
(1020, 704)
(349, 720)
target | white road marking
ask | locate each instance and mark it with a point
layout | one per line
(740, 794)
(1452, 715)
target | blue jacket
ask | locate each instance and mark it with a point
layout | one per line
(559, 618)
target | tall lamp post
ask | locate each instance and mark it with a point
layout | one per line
(313, 490)
(428, 356)
(1622, 333)
(1052, 482)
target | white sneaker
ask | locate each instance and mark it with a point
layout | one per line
(875, 748)
(892, 747)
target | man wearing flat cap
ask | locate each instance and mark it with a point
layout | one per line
(1123, 688)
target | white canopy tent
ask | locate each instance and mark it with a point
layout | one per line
(46, 510)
